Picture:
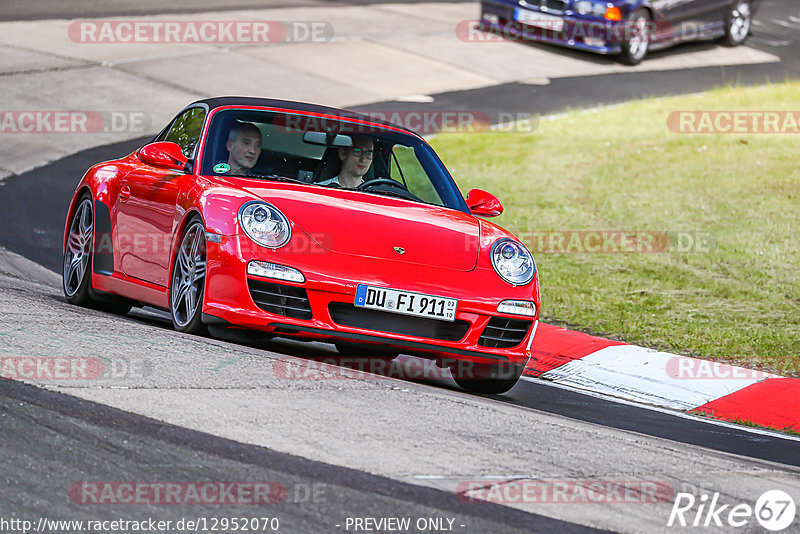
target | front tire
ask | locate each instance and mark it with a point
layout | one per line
(637, 38)
(488, 379)
(737, 23)
(187, 287)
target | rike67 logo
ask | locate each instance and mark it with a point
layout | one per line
(774, 510)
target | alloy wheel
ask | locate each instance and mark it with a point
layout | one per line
(640, 38)
(740, 22)
(79, 248)
(188, 277)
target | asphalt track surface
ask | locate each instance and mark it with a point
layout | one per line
(82, 441)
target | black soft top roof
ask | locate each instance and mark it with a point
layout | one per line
(224, 101)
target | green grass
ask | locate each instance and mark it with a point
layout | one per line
(620, 168)
(747, 422)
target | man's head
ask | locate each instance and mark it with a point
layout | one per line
(357, 160)
(244, 146)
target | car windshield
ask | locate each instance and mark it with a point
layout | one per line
(326, 152)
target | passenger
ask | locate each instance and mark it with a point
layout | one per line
(244, 147)
(356, 162)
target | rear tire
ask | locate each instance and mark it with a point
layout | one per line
(637, 38)
(737, 23)
(76, 276)
(77, 266)
(489, 380)
(187, 287)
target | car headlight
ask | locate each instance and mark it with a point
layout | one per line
(265, 224)
(513, 262)
(587, 7)
(600, 9)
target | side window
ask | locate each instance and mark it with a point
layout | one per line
(186, 129)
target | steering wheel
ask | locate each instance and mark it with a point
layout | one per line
(381, 181)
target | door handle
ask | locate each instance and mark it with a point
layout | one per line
(124, 193)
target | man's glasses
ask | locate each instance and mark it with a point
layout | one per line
(358, 152)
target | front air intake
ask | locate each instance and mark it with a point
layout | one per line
(502, 333)
(280, 299)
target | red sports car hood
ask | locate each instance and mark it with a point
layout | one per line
(381, 227)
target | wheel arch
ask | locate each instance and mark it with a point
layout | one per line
(82, 189)
(633, 6)
(99, 181)
(645, 5)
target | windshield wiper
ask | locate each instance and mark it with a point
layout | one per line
(274, 177)
(390, 193)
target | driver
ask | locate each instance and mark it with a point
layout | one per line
(244, 147)
(356, 162)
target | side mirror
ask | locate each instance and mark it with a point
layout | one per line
(164, 155)
(483, 204)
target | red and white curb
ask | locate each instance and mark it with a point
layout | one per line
(649, 376)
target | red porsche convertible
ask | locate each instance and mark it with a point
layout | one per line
(308, 222)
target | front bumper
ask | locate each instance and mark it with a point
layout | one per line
(590, 34)
(331, 280)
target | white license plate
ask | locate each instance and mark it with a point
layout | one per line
(542, 20)
(406, 302)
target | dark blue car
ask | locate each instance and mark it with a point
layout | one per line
(629, 28)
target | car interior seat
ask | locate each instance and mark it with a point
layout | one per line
(330, 165)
